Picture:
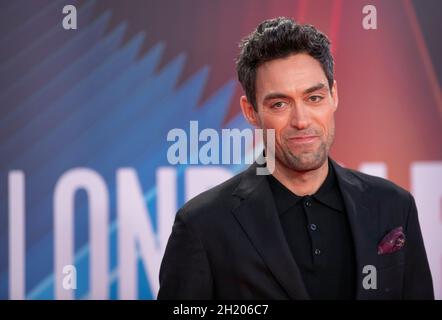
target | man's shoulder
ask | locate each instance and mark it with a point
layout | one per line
(380, 187)
(212, 202)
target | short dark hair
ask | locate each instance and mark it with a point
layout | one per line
(279, 38)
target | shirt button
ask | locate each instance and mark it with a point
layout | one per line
(313, 227)
(317, 252)
(308, 203)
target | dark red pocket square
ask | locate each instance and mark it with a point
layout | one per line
(392, 242)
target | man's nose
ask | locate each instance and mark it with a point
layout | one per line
(299, 117)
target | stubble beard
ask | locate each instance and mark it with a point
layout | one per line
(305, 160)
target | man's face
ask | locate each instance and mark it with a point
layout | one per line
(293, 97)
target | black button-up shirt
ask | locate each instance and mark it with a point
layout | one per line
(319, 236)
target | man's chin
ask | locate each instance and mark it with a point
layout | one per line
(304, 162)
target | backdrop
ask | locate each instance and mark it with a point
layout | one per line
(88, 96)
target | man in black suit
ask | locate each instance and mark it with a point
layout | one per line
(311, 229)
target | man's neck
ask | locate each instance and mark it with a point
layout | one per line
(301, 183)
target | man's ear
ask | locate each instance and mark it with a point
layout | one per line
(334, 93)
(248, 111)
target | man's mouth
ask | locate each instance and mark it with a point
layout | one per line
(303, 139)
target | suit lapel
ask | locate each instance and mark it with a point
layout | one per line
(363, 223)
(258, 217)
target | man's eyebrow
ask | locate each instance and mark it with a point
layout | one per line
(319, 86)
(275, 95)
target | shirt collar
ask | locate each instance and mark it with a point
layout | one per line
(284, 198)
(328, 194)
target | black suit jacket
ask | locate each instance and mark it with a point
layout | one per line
(228, 243)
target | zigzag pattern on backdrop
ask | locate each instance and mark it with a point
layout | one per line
(85, 98)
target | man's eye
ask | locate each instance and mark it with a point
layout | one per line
(315, 98)
(278, 105)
